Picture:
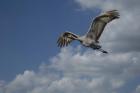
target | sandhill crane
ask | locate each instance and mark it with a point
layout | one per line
(91, 38)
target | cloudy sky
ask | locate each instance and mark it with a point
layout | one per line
(31, 62)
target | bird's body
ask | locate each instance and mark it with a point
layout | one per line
(91, 38)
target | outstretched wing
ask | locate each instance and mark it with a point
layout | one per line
(100, 22)
(66, 38)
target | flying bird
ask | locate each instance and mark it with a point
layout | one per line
(91, 38)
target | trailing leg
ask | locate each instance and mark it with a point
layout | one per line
(103, 51)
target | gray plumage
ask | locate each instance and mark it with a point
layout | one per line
(91, 38)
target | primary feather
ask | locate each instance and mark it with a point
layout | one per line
(66, 38)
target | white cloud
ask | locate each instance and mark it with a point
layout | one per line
(137, 89)
(77, 72)
(109, 4)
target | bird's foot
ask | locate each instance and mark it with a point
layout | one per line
(103, 51)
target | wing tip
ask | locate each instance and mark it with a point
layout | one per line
(114, 13)
(61, 42)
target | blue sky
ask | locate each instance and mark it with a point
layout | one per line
(29, 30)
(31, 62)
